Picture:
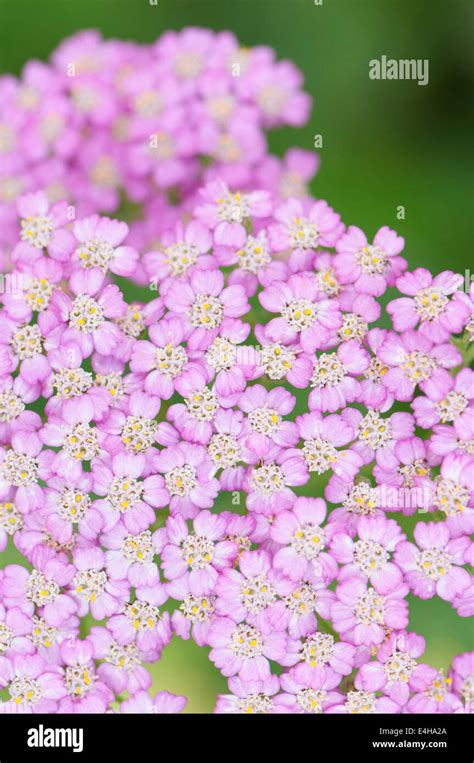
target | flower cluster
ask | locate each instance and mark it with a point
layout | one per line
(232, 458)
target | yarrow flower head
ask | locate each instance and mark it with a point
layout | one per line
(179, 391)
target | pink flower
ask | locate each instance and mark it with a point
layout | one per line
(245, 650)
(362, 614)
(162, 702)
(370, 555)
(428, 303)
(304, 315)
(269, 482)
(396, 671)
(264, 423)
(332, 377)
(85, 692)
(143, 623)
(434, 565)
(250, 696)
(100, 245)
(198, 555)
(188, 485)
(126, 497)
(446, 399)
(370, 267)
(433, 694)
(33, 685)
(42, 227)
(303, 540)
(412, 360)
(183, 249)
(246, 593)
(225, 212)
(204, 302)
(86, 320)
(304, 226)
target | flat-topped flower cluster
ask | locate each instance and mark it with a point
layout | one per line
(213, 462)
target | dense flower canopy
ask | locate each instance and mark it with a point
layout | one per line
(229, 458)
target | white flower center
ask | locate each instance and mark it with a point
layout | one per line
(376, 370)
(142, 615)
(277, 360)
(79, 679)
(430, 303)
(39, 293)
(300, 314)
(138, 548)
(328, 371)
(267, 479)
(72, 504)
(224, 450)
(372, 260)
(81, 442)
(180, 257)
(6, 637)
(370, 608)
(11, 405)
(255, 703)
(303, 234)
(257, 593)
(126, 657)
(197, 551)
(450, 496)
(418, 366)
(27, 342)
(434, 563)
(202, 404)
(206, 312)
(95, 254)
(360, 702)
(181, 480)
(353, 327)
(302, 600)
(40, 590)
(222, 354)
(363, 499)
(399, 667)
(417, 468)
(308, 540)
(89, 584)
(43, 634)
(327, 282)
(233, 208)
(71, 382)
(11, 520)
(138, 434)
(197, 609)
(113, 383)
(254, 255)
(265, 420)
(374, 430)
(86, 314)
(317, 649)
(369, 556)
(25, 690)
(124, 493)
(311, 700)
(319, 455)
(37, 230)
(132, 322)
(246, 641)
(19, 470)
(451, 407)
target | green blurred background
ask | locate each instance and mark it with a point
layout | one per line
(385, 144)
